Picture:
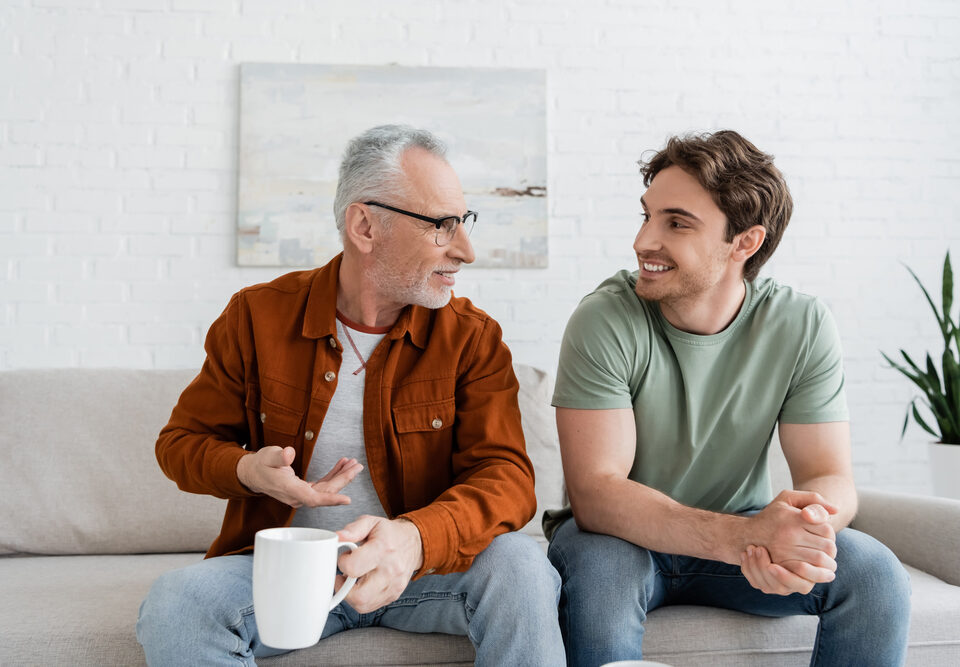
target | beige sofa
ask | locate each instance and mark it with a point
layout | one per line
(87, 522)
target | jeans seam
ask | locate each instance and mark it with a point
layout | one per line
(235, 629)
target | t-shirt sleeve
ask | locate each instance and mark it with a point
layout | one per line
(816, 393)
(597, 356)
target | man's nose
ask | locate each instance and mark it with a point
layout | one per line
(647, 238)
(460, 247)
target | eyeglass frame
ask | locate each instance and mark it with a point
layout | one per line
(437, 222)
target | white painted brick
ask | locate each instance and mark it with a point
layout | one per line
(20, 156)
(140, 223)
(159, 157)
(170, 356)
(46, 133)
(87, 201)
(49, 313)
(13, 291)
(89, 334)
(41, 357)
(72, 156)
(189, 136)
(155, 202)
(160, 246)
(60, 221)
(25, 245)
(206, 6)
(90, 292)
(193, 50)
(128, 270)
(152, 113)
(162, 334)
(51, 269)
(114, 357)
(88, 245)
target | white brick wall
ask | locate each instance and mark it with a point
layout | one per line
(118, 131)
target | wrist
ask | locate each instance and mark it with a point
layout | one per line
(243, 475)
(735, 532)
(415, 542)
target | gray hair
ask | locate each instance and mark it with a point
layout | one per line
(371, 165)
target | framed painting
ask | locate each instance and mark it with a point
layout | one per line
(295, 121)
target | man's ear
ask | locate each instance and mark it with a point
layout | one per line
(747, 243)
(358, 227)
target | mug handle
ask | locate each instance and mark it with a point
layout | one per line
(348, 584)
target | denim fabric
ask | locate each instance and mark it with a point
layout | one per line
(610, 585)
(506, 604)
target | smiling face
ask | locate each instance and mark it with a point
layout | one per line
(409, 267)
(681, 248)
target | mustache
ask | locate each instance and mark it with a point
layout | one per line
(655, 257)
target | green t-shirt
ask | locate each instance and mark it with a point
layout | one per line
(705, 406)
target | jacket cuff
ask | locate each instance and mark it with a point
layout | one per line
(225, 472)
(439, 537)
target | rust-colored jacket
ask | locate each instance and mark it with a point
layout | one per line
(440, 416)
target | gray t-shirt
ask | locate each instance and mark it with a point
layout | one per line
(705, 406)
(342, 435)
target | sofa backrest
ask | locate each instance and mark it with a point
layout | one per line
(78, 473)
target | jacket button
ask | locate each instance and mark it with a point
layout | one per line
(436, 423)
(333, 342)
(308, 435)
(329, 376)
(263, 417)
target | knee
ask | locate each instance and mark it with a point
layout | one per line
(515, 563)
(582, 558)
(873, 572)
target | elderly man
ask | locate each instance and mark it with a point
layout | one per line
(364, 372)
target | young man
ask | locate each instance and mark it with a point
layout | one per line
(670, 384)
(368, 369)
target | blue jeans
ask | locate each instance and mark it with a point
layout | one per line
(506, 603)
(610, 585)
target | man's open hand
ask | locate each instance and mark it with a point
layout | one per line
(384, 564)
(269, 471)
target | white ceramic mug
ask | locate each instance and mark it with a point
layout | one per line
(293, 574)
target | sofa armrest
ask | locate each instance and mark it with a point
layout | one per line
(923, 531)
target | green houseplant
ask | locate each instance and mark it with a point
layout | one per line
(940, 390)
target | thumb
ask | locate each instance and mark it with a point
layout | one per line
(814, 513)
(358, 530)
(275, 457)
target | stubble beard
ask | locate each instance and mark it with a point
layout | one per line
(405, 287)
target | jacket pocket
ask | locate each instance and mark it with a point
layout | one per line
(425, 417)
(278, 424)
(426, 441)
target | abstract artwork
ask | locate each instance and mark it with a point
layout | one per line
(295, 121)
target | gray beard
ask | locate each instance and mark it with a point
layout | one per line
(397, 286)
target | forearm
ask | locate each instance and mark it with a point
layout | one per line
(648, 518)
(839, 490)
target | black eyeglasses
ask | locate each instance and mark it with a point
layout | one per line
(446, 226)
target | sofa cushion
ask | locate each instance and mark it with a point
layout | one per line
(79, 474)
(90, 605)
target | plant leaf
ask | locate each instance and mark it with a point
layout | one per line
(936, 313)
(923, 424)
(932, 374)
(947, 294)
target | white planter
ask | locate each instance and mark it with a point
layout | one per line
(945, 469)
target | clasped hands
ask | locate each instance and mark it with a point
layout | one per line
(791, 545)
(390, 552)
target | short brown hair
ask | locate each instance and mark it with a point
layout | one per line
(742, 180)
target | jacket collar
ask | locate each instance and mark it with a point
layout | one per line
(320, 318)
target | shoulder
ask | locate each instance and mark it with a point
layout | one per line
(775, 301)
(612, 310)
(296, 282)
